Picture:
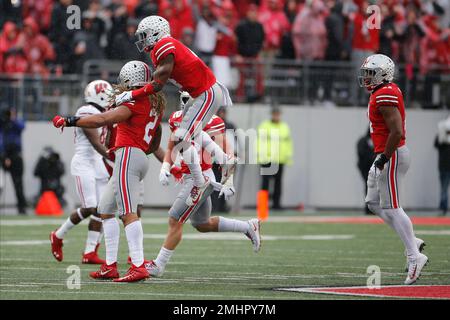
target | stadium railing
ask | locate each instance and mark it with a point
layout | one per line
(283, 81)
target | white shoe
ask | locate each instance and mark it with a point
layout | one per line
(153, 269)
(228, 169)
(420, 246)
(254, 234)
(196, 193)
(415, 268)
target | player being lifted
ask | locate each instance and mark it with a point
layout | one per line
(386, 112)
(198, 214)
(90, 173)
(138, 122)
(175, 62)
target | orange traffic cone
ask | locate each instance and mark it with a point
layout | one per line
(48, 205)
(262, 204)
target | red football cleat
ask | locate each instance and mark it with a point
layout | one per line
(57, 245)
(92, 258)
(106, 272)
(134, 274)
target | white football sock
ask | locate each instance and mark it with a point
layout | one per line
(91, 241)
(65, 227)
(404, 228)
(192, 160)
(135, 237)
(111, 230)
(232, 225)
(213, 148)
(163, 257)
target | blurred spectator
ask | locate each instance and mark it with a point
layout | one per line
(179, 15)
(61, 36)
(146, 8)
(275, 23)
(274, 152)
(50, 169)
(187, 37)
(10, 11)
(366, 157)
(224, 50)
(117, 13)
(123, 46)
(12, 57)
(309, 32)
(250, 39)
(335, 25)
(37, 48)
(242, 6)
(442, 143)
(205, 33)
(40, 11)
(11, 153)
(365, 42)
(86, 43)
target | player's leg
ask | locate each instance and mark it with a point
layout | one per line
(179, 213)
(194, 119)
(390, 185)
(131, 167)
(85, 186)
(107, 209)
(139, 208)
(95, 229)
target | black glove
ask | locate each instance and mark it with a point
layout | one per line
(380, 161)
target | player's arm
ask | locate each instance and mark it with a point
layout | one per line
(160, 78)
(111, 117)
(94, 138)
(393, 121)
(168, 154)
(221, 141)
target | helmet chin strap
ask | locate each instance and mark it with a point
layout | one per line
(98, 107)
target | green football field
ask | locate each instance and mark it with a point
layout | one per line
(296, 252)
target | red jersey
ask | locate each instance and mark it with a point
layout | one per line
(139, 130)
(214, 127)
(388, 95)
(189, 71)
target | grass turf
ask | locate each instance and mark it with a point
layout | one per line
(217, 268)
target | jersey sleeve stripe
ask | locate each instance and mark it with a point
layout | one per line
(214, 131)
(393, 101)
(157, 57)
(387, 96)
(221, 125)
(162, 47)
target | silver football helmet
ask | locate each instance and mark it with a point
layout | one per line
(150, 30)
(376, 70)
(134, 74)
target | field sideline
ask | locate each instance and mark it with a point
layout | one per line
(297, 251)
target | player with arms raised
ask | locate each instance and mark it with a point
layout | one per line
(386, 112)
(138, 123)
(90, 173)
(176, 62)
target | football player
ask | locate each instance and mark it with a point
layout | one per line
(138, 122)
(386, 112)
(176, 62)
(90, 173)
(199, 213)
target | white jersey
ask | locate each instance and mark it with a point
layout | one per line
(87, 161)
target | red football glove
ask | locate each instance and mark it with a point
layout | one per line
(176, 172)
(59, 121)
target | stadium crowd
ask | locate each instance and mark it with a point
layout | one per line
(35, 40)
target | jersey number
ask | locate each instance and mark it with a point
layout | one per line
(148, 136)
